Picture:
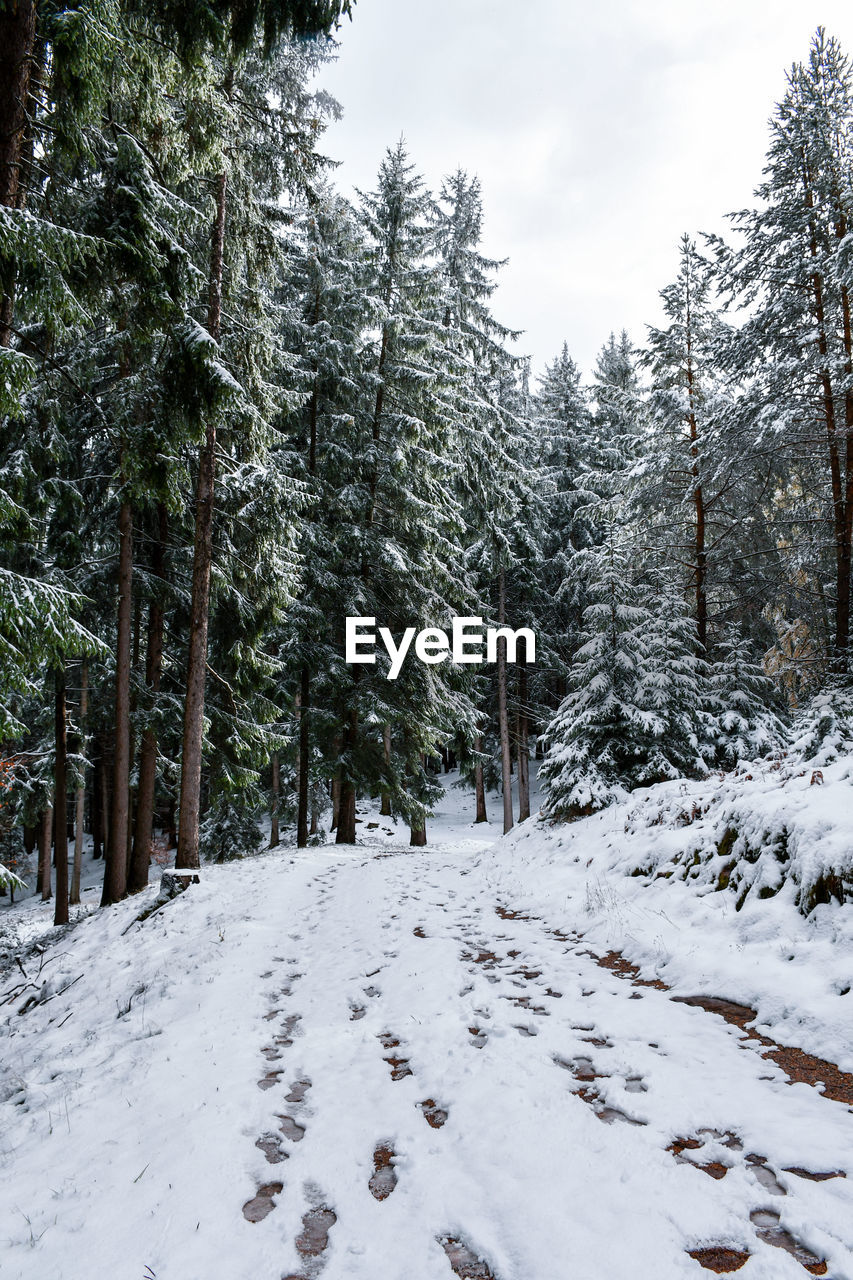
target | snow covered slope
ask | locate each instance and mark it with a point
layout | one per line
(377, 1063)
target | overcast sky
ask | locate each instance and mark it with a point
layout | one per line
(601, 130)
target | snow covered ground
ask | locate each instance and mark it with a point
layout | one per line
(377, 1063)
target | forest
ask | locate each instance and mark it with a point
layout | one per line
(238, 408)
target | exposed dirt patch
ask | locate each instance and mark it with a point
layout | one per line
(617, 963)
(813, 1176)
(256, 1209)
(399, 1066)
(434, 1115)
(478, 1037)
(506, 913)
(719, 1259)
(804, 1068)
(419, 933)
(464, 1260)
(768, 1228)
(486, 959)
(384, 1178)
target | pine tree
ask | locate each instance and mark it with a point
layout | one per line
(744, 702)
(796, 346)
(636, 711)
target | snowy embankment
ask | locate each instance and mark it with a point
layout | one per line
(728, 886)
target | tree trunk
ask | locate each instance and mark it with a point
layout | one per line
(97, 823)
(80, 806)
(275, 837)
(347, 800)
(304, 761)
(522, 737)
(115, 871)
(346, 812)
(479, 786)
(143, 830)
(315, 812)
(17, 47)
(503, 719)
(841, 491)
(336, 802)
(60, 776)
(105, 806)
(385, 806)
(191, 753)
(45, 831)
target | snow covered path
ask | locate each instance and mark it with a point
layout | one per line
(363, 1064)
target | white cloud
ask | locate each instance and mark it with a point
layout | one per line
(600, 133)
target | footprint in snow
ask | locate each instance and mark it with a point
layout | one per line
(270, 1080)
(270, 1144)
(262, 1203)
(298, 1090)
(383, 1180)
(313, 1240)
(464, 1261)
(291, 1130)
(434, 1115)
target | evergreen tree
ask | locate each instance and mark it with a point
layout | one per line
(790, 269)
(745, 703)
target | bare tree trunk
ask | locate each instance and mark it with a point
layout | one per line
(304, 760)
(346, 813)
(522, 737)
(336, 802)
(105, 806)
(60, 776)
(385, 806)
(17, 47)
(45, 832)
(275, 838)
(97, 801)
(80, 805)
(315, 812)
(346, 786)
(842, 516)
(479, 786)
(115, 871)
(417, 833)
(503, 719)
(191, 753)
(143, 830)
